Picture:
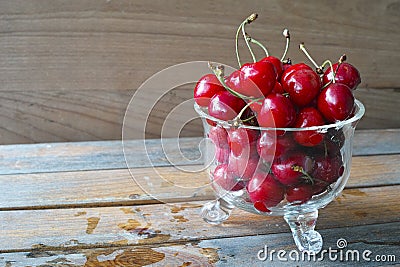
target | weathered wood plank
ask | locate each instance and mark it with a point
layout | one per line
(100, 45)
(149, 224)
(103, 155)
(60, 115)
(65, 67)
(117, 187)
(381, 239)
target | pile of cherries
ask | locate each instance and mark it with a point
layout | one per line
(273, 165)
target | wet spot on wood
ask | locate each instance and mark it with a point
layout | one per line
(180, 218)
(176, 209)
(80, 213)
(360, 213)
(122, 242)
(92, 223)
(130, 257)
(211, 254)
(185, 264)
(355, 192)
(127, 210)
(130, 225)
(156, 238)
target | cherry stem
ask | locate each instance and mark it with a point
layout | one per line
(245, 107)
(287, 36)
(304, 50)
(237, 45)
(248, 20)
(297, 168)
(340, 61)
(248, 44)
(254, 41)
(249, 119)
(326, 62)
(218, 71)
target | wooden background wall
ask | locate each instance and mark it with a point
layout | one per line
(69, 68)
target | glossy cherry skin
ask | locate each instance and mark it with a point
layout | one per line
(278, 88)
(270, 146)
(299, 194)
(303, 86)
(277, 64)
(327, 170)
(276, 111)
(285, 171)
(346, 74)
(336, 102)
(206, 88)
(226, 181)
(219, 136)
(290, 69)
(225, 106)
(222, 154)
(264, 191)
(241, 140)
(308, 117)
(243, 168)
(253, 79)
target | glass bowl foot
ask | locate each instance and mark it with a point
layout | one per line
(216, 211)
(304, 235)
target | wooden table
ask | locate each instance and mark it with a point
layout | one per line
(75, 204)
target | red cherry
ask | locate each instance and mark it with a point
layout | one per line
(270, 146)
(249, 117)
(299, 194)
(243, 168)
(346, 74)
(327, 169)
(277, 64)
(303, 86)
(276, 111)
(290, 69)
(233, 81)
(264, 191)
(286, 65)
(226, 181)
(336, 102)
(241, 140)
(225, 106)
(211, 122)
(287, 170)
(206, 88)
(308, 117)
(335, 137)
(219, 136)
(222, 154)
(254, 79)
(278, 88)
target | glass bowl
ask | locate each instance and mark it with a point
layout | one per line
(266, 171)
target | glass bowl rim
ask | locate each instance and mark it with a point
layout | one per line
(357, 116)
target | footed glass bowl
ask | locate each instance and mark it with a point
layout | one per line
(289, 172)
